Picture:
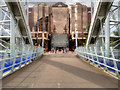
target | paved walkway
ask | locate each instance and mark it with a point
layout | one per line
(59, 71)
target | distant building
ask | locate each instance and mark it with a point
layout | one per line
(60, 17)
(40, 21)
(60, 36)
(59, 23)
(31, 18)
(80, 19)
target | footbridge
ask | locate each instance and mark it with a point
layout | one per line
(99, 51)
(95, 65)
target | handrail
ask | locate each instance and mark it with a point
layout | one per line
(10, 65)
(111, 65)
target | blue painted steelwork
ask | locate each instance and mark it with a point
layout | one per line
(106, 63)
(12, 64)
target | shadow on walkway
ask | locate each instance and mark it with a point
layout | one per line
(100, 79)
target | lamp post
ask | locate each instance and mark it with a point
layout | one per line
(76, 24)
(76, 32)
(43, 39)
(43, 31)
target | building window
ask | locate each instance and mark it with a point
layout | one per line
(46, 26)
(32, 34)
(35, 34)
(36, 28)
(74, 35)
(40, 26)
(59, 5)
(79, 34)
(84, 29)
(39, 34)
(45, 35)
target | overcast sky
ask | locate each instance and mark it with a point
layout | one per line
(85, 2)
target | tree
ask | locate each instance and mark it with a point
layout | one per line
(88, 27)
(116, 33)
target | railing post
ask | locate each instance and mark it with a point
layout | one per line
(115, 62)
(26, 59)
(91, 53)
(85, 53)
(20, 61)
(104, 58)
(88, 55)
(97, 57)
(2, 68)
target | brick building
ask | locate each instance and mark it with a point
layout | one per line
(80, 19)
(31, 18)
(59, 18)
(40, 21)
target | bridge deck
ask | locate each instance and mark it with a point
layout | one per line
(59, 71)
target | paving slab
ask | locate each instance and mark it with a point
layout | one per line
(59, 71)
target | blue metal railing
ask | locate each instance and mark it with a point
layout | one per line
(112, 65)
(9, 65)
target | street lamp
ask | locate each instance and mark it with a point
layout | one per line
(43, 31)
(76, 32)
(43, 39)
(76, 24)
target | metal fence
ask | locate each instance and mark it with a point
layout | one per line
(109, 64)
(9, 64)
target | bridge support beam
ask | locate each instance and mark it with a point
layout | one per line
(119, 17)
(12, 39)
(107, 35)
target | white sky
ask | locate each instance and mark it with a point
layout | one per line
(85, 2)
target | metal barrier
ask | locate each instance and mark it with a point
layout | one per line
(110, 65)
(10, 65)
